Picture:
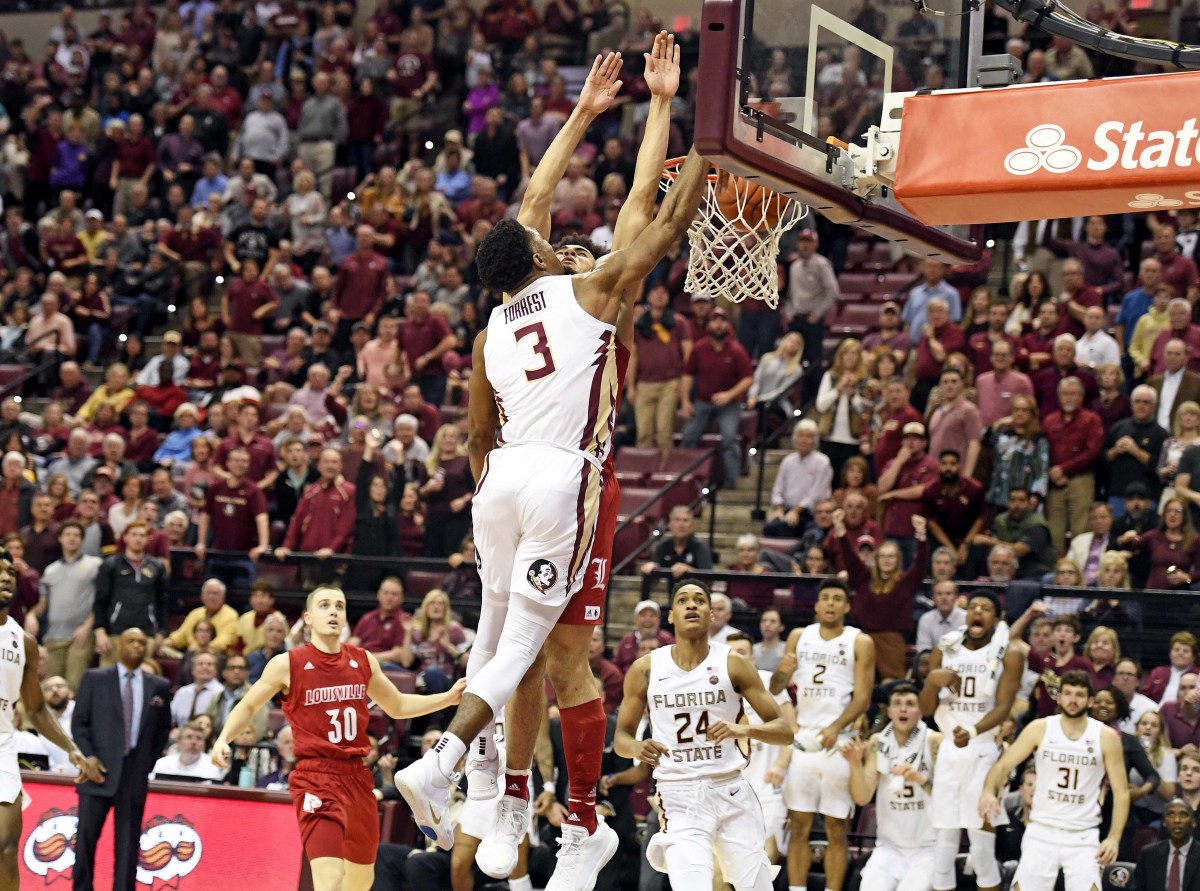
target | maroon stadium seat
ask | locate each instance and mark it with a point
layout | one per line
(422, 581)
(633, 460)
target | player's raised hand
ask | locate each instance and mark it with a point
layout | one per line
(662, 66)
(651, 752)
(601, 85)
(722, 730)
(854, 750)
(220, 754)
(989, 807)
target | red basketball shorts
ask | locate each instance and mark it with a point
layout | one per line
(335, 804)
(587, 606)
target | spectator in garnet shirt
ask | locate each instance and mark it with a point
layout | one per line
(448, 493)
(938, 339)
(141, 440)
(722, 373)
(1076, 436)
(1076, 297)
(244, 309)
(1179, 317)
(261, 450)
(898, 413)
(606, 672)
(1174, 548)
(384, 631)
(360, 287)
(235, 509)
(901, 486)
(324, 519)
(133, 162)
(429, 419)
(1062, 365)
(62, 251)
(953, 505)
(424, 338)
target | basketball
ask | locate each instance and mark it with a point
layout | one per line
(758, 207)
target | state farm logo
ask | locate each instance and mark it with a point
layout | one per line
(1150, 200)
(1045, 149)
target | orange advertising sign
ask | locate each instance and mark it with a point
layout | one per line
(1051, 150)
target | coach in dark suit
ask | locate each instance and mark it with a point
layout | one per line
(1173, 864)
(122, 716)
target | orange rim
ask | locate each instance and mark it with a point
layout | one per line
(671, 170)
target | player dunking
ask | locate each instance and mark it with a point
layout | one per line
(581, 712)
(896, 768)
(694, 690)
(1074, 754)
(19, 683)
(833, 668)
(544, 372)
(325, 686)
(973, 678)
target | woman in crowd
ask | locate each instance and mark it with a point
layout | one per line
(199, 470)
(114, 391)
(438, 642)
(133, 353)
(28, 579)
(1186, 433)
(756, 595)
(202, 637)
(274, 634)
(1067, 574)
(881, 367)
(1111, 404)
(1103, 651)
(1113, 575)
(106, 420)
(447, 493)
(376, 498)
(199, 319)
(411, 522)
(841, 427)
(462, 582)
(884, 593)
(777, 373)
(1174, 548)
(141, 440)
(285, 761)
(975, 318)
(804, 592)
(48, 442)
(856, 480)
(92, 314)
(305, 210)
(1151, 732)
(125, 511)
(367, 404)
(58, 487)
(1022, 454)
(1028, 292)
(1110, 707)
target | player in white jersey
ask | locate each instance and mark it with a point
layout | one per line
(544, 373)
(895, 767)
(766, 766)
(19, 683)
(1074, 755)
(832, 666)
(973, 678)
(694, 690)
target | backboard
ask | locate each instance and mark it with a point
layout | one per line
(783, 83)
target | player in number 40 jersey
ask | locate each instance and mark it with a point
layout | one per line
(326, 685)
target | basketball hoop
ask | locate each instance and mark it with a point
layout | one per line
(735, 237)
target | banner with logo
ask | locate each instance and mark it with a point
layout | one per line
(188, 842)
(1047, 151)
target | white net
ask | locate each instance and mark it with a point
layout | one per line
(734, 253)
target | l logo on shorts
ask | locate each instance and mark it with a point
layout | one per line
(542, 575)
(311, 803)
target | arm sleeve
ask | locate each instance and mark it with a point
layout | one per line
(100, 608)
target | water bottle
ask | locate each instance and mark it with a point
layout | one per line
(246, 777)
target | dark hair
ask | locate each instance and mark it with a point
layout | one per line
(1070, 620)
(505, 258)
(944, 452)
(738, 635)
(581, 241)
(695, 583)
(904, 688)
(833, 583)
(1119, 700)
(1078, 678)
(71, 524)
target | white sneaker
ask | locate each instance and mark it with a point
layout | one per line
(497, 853)
(427, 791)
(483, 779)
(581, 857)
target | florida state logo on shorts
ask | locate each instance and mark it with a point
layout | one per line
(542, 575)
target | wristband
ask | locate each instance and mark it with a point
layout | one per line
(972, 732)
(548, 787)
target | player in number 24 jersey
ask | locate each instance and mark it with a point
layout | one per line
(326, 685)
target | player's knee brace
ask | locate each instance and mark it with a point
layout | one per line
(983, 858)
(945, 850)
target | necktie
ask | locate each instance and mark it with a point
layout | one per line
(1173, 874)
(127, 710)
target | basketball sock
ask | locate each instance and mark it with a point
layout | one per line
(525, 883)
(797, 888)
(516, 784)
(449, 750)
(583, 743)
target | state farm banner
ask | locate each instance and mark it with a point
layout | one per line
(1047, 151)
(189, 842)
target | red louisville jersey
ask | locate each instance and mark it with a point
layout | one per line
(326, 704)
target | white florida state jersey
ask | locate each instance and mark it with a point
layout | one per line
(1069, 775)
(683, 704)
(976, 696)
(903, 811)
(824, 676)
(762, 755)
(12, 669)
(553, 368)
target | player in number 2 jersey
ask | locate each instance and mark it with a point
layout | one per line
(326, 685)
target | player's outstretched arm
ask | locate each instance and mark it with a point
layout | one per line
(662, 77)
(1118, 783)
(408, 705)
(774, 730)
(597, 95)
(633, 706)
(46, 724)
(1022, 748)
(483, 417)
(622, 269)
(276, 676)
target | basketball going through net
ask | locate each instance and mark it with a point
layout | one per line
(735, 237)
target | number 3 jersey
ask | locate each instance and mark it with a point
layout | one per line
(683, 705)
(824, 676)
(326, 702)
(553, 367)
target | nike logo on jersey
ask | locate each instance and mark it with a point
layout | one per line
(307, 666)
